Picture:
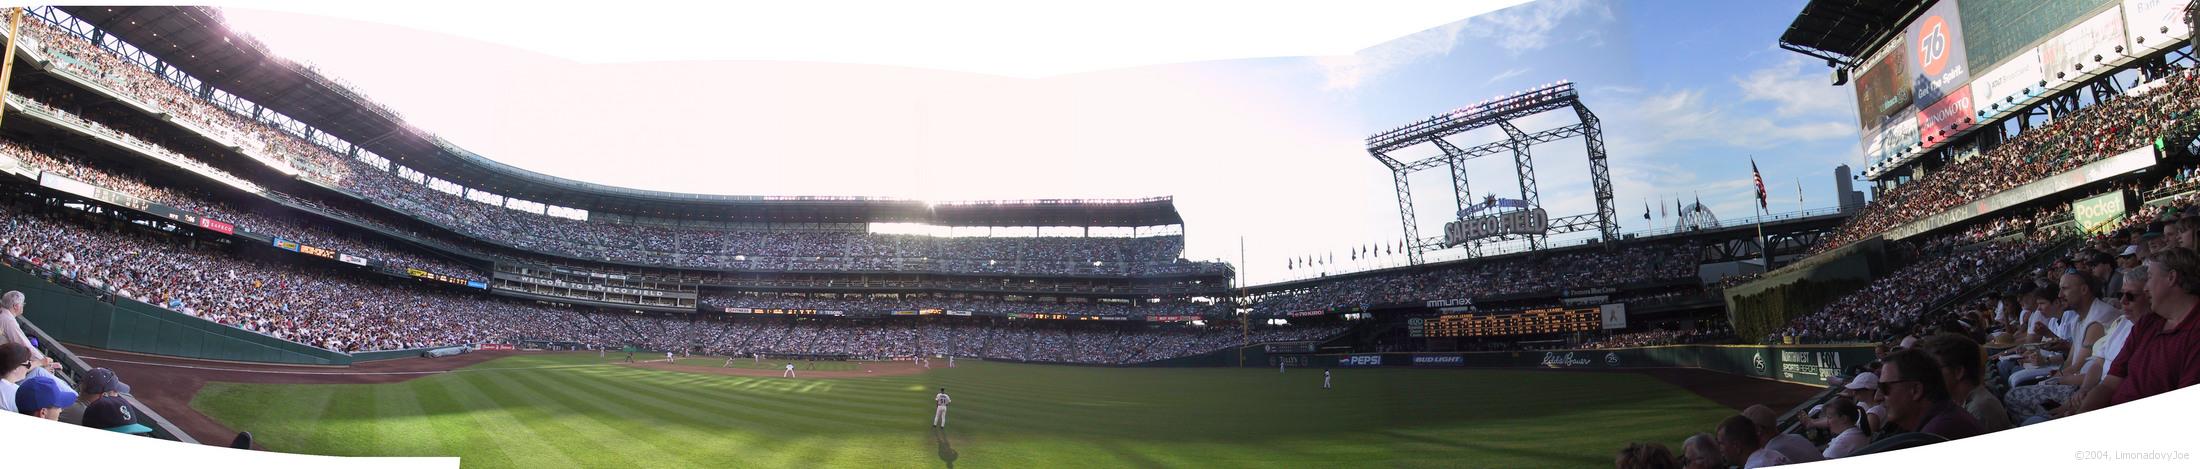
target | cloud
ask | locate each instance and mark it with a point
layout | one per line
(1518, 29)
(1501, 76)
(1797, 90)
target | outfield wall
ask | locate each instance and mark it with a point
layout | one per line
(1809, 365)
(75, 317)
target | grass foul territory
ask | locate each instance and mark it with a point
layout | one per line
(539, 411)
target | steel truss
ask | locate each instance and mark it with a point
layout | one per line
(1499, 113)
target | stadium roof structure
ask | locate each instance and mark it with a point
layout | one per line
(1845, 30)
(197, 41)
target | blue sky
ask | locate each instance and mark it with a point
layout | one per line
(1267, 149)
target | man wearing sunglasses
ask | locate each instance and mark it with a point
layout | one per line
(1917, 399)
(2163, 351)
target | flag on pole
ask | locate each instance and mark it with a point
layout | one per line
(1645, 210)
(1760, 180)
(1661, 209)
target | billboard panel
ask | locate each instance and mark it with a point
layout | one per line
(2070, 55)
(1999, 89)
(1944, 119)
(2156, 24)
(1995, 30)
(1936, 59)
(2100, 212)
(1881, 93)
(1889, 142)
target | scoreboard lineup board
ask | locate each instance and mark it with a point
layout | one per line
(1534, 321)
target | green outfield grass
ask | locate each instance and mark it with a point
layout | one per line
(746, 363)
(541, 411)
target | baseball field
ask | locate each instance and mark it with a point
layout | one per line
(578, 410)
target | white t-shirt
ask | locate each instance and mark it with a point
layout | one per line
(1846, 443)
(1765, 457)
(1795, 448)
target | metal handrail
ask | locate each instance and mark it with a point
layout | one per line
(71, 366)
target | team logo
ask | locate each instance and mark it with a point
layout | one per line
(1611, 359)
(1759, 360)
(1932, 45)
(1555, 360)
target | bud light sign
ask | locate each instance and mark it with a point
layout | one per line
(1439, 360)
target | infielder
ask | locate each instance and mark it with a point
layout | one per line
(950, 361)
(790, 371)
(668, 356)
(1325, 378)
(939, 414)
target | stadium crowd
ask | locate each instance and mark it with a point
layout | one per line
(1533, 273)
(681, 247)
(2091, 134)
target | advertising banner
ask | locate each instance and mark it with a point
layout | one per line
(477, 284)
(740, 310)
(2070, 55)
(1469, 302)
(217, 225)
(1937, 64)
(2097, 213)
(1615, 315)
(2156, 24)
(1998, 90)
(286, 245)
(1881, 93)
(1994, 30)
(2134, 160)
(1945, 119)
(497, 347)
(1439, 360)
(351, 259)
(1360, 360)
(1305, 314)
(1891, 140)
(957, 313)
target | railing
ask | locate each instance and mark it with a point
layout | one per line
(71, 369)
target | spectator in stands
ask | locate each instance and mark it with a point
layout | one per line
(1842, 417)
(1738, 441)
(93, 385)
(43, 397)
(1645, 456)
(1963, 367)
(20, 366)
(1917, 399)
(11, 313)
(112, 413)
(2163, 353)
(1864, 388)
(1701, 451)
(1792, 447)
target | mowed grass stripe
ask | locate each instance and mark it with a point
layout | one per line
(644, 425)
(508, 433)
(584, 426)
(775, 391)
(739, 406)
(401, 424)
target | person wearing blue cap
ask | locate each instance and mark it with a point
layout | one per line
(43, 397)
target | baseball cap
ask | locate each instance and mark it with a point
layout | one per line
(101, 380)
(2131, 250)
(113, 414)
(1865, 380)
(40, 393)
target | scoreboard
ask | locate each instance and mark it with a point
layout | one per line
(1534, 321)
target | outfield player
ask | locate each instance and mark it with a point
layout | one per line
(729, 362)
(950, 361)
(790, 371)
(939, 414)
(1325, 378)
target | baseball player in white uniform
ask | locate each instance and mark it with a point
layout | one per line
(790, 371)
(668, 356)
(950, 361)
(939, 414)
(1325, 379)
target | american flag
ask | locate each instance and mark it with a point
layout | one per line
(1760, 178)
